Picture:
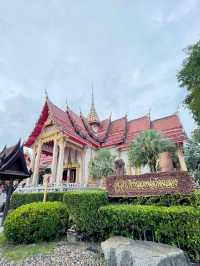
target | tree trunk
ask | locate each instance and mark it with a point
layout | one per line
(10, 188)
(9, 191)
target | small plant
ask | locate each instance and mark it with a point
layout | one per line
(101, 165)
(36, 221)
(192, 155)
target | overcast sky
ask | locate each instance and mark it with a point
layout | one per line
(130, 50)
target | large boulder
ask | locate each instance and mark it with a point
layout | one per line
(121, 251)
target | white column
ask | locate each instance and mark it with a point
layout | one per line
(78, 169)
(36, 165)
(31, 166)
(33, 159)
(54, 162)
(60, 162)
(82, 167)
(87, 156)
(181, 158)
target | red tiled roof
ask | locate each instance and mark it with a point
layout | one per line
(38, 126)
(135, 127)
(118, 133)
(103, 129)
(171, 127)
(61, 120)
(79, 127)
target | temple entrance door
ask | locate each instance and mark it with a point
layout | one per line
(72, 175)
(65, 175)
(69, 175)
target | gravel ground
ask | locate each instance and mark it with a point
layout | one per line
(64, 254)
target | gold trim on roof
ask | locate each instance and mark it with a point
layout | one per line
(71, 165)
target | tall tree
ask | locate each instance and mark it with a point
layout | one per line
(189, 78)
(192, 155)
(147, 146)
(196, 135)
(101, 165)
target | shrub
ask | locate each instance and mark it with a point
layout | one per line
(175, 225)
(19, 199)
(83, 208)
(36, 221)
(166, 200)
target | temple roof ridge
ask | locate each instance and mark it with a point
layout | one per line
(108, 132)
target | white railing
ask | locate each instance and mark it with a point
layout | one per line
(51, 188)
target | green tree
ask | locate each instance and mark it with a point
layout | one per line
(101, 165)
(192, 155)
(147, 146)
(196, 135)
(189, 78)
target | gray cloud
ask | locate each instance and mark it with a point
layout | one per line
(130, 51)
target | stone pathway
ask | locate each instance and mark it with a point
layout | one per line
(64, 254)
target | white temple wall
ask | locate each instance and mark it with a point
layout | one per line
(132, 170)
(88, 154)
(124, 157)
(66, 155)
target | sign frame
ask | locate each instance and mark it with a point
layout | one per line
(151, 184)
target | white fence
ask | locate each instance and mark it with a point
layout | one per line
(51, 188)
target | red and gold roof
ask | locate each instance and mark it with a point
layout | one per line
(118, 133)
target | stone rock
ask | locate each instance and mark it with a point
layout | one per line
(121, 251)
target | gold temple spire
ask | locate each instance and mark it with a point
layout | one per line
(92, 116)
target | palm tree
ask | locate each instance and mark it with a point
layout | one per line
(101, 165)
(147, 146)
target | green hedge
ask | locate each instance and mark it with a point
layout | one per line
(36, 221)
(83, 209)
(175, 225)
(166, 200)
(19, 199)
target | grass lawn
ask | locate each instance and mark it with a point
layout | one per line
(19, 252)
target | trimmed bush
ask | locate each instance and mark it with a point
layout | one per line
(36, 221)
(175, 225)
(166, 200)
(83, 209)
(19, 199)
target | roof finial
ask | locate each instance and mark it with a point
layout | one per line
(66, 105)
(46, 94)
(178, 108)
(149, 113)
(92, 86)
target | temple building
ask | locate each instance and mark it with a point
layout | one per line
(65, 142)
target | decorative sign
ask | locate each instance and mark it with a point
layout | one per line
(153, 184)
